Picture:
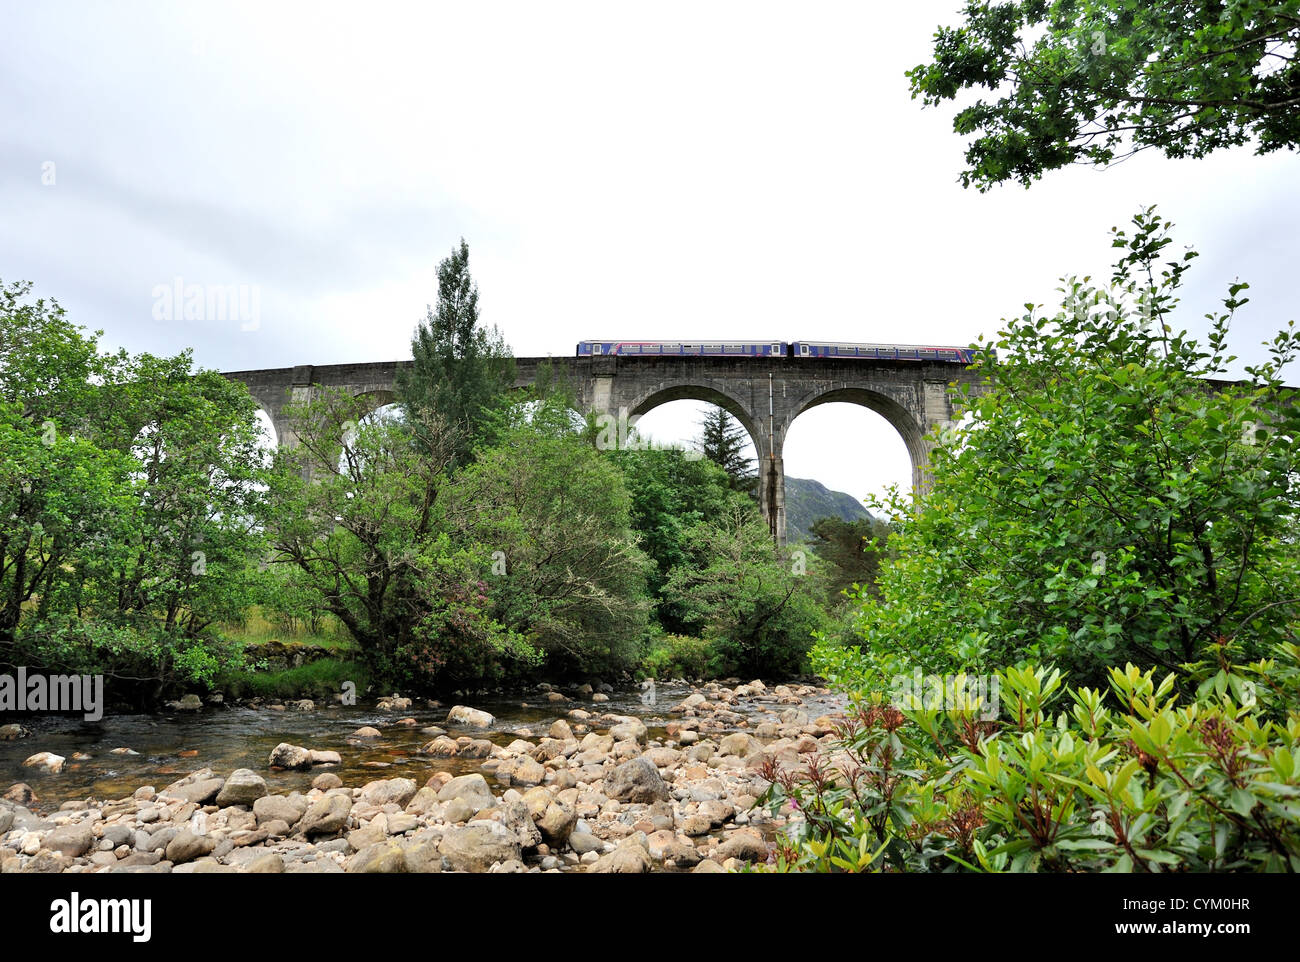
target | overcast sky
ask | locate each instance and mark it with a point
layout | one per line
(665, 171)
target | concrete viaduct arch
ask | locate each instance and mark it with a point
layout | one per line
(765, 395)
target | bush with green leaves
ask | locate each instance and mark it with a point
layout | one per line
(1108, 499)
(758, 604)
(682, 656)
(1134, 779)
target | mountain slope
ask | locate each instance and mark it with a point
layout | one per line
(807, 500)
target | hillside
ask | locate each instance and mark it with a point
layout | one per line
(807, 500)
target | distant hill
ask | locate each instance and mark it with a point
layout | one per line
(807, 500)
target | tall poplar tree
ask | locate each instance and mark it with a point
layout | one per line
(462, 371)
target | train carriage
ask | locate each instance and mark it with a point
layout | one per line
(596, 348)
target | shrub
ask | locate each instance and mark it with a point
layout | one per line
(1133, 779)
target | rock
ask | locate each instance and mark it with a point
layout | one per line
(584, 842)
(50, 762)
(422, 856)
(527, 772)
(186, 846)
(327, 815)
(243, 787)
(399, 823)
(289, 756)
(516, 818)
(599, 697)
(739, 744)
(6, 818)
(630, 857)
(708, 867)
(20, 793)
(394, 703)
(188, 703)
(667, 846)
(424, 801)
(269, 864)
(395, 791)
(440, 747)
(636, 781)
(746, 845)
(73, 841)
(285, 808)
(557, 822)
(458, 810)
(462, 715)
(628, 728)
(303, 704)
(197, 788)
(478, 845)
(327, 781)
(382, 858)
(324, 758)
(561, 730)
(11, 733)
(119, 834)
(472, 788)
(367, 732)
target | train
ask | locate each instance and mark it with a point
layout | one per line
(786, 349)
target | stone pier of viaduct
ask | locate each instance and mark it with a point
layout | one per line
(764, 394)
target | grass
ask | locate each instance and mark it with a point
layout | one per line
(257, 629)
(318, 679)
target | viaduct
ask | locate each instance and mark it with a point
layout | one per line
(764, 394)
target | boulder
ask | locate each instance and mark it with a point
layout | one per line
(243, 787)
(395, 791)
(739, 744)
(327, 815)
(327, 781)
(477, 846)
(289, 756)
(367, 732)
(745, 845)
(636, 781)
(11, 733)
(381, 858)
(472, 788)
(556, 823)
(269, 864)
(630, 857)
(73, 841)
(197, 788)
(285, 808)
(186, 846)
(50, 762)
(463, 715)
(440, 747)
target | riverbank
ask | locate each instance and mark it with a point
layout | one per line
(582, 781)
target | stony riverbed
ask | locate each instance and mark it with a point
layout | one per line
(573, 780)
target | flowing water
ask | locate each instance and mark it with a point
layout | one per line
(170, 746)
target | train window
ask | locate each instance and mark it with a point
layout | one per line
(595, 349)
(803, 350)
(776, 348)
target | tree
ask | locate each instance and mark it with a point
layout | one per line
(1107, 502)
(1088, 82)
(755, 601)
(723, 442)
(552, 517)
(671, 492)
(128, 502)
(460, 371)
(852, 552)
(367, 533)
